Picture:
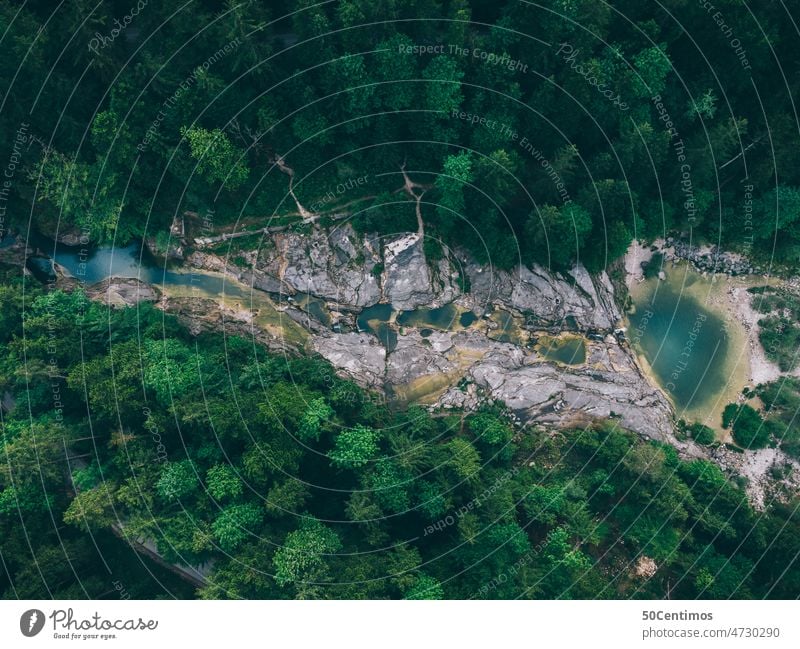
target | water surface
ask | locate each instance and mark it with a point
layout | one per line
(375, 319)
(568, 350)
(444, 317)
(685, 344)
(92, 265)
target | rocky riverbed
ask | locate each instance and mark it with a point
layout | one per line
(462, 367)
(459, 367)
(709, 258)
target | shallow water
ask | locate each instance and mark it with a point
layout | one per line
(315, 307)
(684, 343)
(92, 265)
(569, 351)
(375, 319)
(445, 317)
(507, 331)
(467, 319)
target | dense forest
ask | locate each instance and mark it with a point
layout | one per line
(550, 133)
(292, 483)
(544, 132)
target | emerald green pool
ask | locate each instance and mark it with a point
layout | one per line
(684, 343)
(444, 317)
(375, 320)
(569, 351)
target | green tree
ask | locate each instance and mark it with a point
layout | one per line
(177, 480)
(557, 236)
(776, 221)
(317, 418)
(490, 429)
(354, 447)
(302, 557)
(442, 89)
(80, 195)
(171, 369)
(702, 434)
(425, 587)
(218, 160)
(287, 497)
(92, 509)
(451, 209)
(464, 459)
(235, 524)
(653, 66)
(748, 428)
(222, 482)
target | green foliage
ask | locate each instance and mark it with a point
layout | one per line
(354, 447)
(450, 186)
(748, 427)
(177, 480)
(430, 505)
(302, 556)
(425, 587)
(780, 338)
(222, 482)
(389, 483)
(464, 459)
(729, 414)
(545, 517)
(217, 159)
(26, 499)
(431, 499)
(287, 497)
(702, 434)
(317, 417)
(490, 429)
(83, 196)
(557, 235)
(92, 509)
(781, 403)
(235, 524)
(653, 66)
(171, 369)
(442, 90)
(777, 222)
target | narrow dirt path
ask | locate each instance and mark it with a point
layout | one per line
(409, 187)
(308, 217)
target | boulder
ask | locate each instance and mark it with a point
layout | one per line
(123, 292)
(550, 298)
(335, 265)
(357, 355)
